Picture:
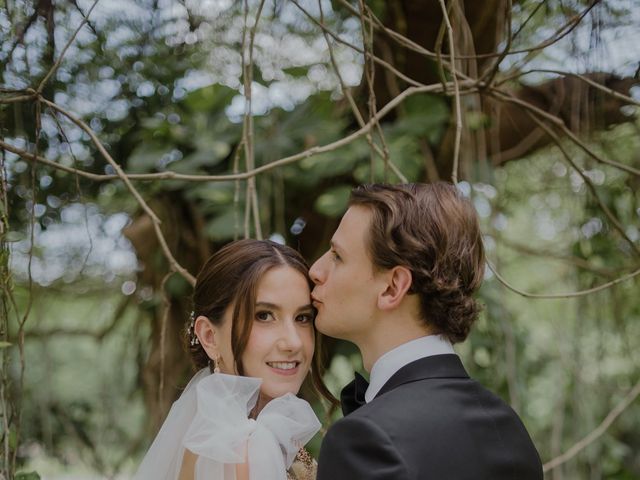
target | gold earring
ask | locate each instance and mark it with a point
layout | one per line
(193, 338)
(216, 364)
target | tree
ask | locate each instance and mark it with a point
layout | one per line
(435, 96)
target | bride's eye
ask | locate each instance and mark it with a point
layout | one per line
(264, 315)
(305, 317)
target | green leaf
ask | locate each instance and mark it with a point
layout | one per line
(209, 99)
(333, 202)
(223, 227)
(331, 164)
(427, 116)
(212, 194)
(477, 120)
(434, 107)
(210, 156)
(14, 236)
(177, 286)
(146, 158)
(27, 476)
(296, 71)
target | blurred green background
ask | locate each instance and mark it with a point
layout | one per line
(161, 83)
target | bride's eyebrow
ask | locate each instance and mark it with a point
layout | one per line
(273, 306)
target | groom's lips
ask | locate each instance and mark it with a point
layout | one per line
(315, 301)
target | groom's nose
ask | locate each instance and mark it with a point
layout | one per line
(316, 272)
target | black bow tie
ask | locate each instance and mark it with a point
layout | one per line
(352, 396)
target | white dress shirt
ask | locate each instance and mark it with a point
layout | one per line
(392, 361)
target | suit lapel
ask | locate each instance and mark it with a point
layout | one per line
(436, 366)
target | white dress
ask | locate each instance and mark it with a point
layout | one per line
(211, 420)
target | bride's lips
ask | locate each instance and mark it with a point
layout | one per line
(285, 368)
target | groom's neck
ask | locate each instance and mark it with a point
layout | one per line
(387, 334)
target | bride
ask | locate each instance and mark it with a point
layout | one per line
(251, 336)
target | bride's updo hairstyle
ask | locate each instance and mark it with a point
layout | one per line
(230, 278)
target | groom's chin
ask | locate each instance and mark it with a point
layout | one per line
(323, 325)
(327, 327)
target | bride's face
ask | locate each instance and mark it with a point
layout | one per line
(281, 343)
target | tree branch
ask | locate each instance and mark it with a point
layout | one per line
(156, 221)
(507, 97)
(64, 50)
(580, 293)
(614, 221)
(458, 108)
(583, 78)
(352, 103)
(364, 52)
(595, 434)
(434, 88)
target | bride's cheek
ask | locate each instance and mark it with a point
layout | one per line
(310, 343)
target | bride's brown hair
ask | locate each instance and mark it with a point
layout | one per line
(231, 277)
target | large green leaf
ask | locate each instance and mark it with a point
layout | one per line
(146, 158)
(226, 225)
(27, 476)
(333, 202)
(426, 116)
(213, 98)
(208, 157)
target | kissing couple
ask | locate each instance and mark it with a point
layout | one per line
(398, 281)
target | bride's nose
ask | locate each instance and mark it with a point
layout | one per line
(290, 339)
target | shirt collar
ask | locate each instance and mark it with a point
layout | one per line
(392, 361)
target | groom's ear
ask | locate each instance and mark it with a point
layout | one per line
(398, 280)
(206, 333)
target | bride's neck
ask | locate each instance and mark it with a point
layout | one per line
(260, 404)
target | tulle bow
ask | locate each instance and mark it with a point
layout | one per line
(221, 434)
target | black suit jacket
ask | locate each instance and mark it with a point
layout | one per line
(430, 421)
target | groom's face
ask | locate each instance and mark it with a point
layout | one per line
(347, 284)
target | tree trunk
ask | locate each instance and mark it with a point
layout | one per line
(505, 131)
(168, 364)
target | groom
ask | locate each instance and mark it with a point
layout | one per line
(398, 281)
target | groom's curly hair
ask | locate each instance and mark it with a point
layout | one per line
(432, 230)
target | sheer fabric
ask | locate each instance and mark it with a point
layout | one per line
(211, 420)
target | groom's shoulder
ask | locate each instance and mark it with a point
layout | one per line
(469, 420)
(431, 425)
(425, 400)
(443, 404)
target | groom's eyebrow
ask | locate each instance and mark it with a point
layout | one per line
(334, 245)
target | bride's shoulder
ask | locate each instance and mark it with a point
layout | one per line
(304, 467)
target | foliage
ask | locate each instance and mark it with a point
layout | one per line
(162, 85)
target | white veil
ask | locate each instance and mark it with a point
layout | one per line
(211, 420)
